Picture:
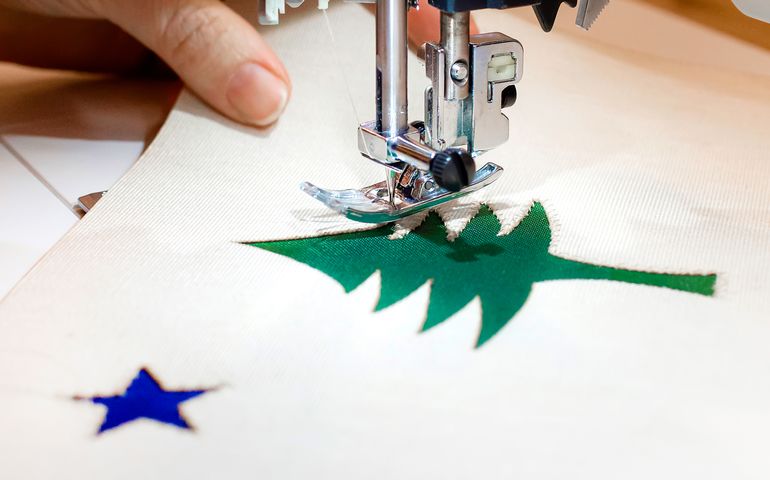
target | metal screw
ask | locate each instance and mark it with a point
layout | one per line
(459, 71)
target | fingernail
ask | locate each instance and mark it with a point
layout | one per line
(257, 95)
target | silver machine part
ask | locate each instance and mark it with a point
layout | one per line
(589, 11)
(463, 110)
(369, 204)
(455, 38)
(454, 70)
(470, 81)
(497, 64)
(476, 121)
(391, 94)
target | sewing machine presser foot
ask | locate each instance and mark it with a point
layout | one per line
(373, 204)
(418, 177)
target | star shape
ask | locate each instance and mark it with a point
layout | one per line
(145, 398)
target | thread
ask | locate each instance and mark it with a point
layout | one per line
(339, 64)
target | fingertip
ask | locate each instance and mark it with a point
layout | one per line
(256, 95)
(217, 53)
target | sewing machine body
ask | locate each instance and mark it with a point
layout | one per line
(432, 161)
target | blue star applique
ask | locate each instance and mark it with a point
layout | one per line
(145, 398)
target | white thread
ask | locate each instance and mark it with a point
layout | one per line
(338, 62)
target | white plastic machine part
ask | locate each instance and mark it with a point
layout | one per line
(759, 9)
(271, 9)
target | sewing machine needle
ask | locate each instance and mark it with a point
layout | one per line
(390, 181)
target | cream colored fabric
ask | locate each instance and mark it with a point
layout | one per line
(641, 162)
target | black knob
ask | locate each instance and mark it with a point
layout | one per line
(453, 169)
(508, 96)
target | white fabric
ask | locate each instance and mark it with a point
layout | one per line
(641, 162)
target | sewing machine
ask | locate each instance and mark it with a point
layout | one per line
(473, 79)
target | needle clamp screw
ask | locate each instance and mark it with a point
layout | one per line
(459, 71)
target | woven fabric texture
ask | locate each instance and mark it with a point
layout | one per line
(640, 162)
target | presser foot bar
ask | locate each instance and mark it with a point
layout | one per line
(372, 204)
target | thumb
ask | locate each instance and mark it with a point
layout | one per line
(218, 54)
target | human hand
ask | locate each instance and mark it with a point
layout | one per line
(219, 55)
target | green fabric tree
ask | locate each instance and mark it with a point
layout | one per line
(500, 270)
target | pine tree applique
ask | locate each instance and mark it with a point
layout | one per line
(500, 270)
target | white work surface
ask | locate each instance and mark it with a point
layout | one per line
(64, 135)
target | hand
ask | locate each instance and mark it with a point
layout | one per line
(216, 53)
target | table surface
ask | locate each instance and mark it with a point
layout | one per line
(721, 15)
(64, 135)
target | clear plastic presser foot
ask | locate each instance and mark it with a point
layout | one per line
(372, 204)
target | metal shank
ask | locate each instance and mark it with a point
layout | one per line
(392, 103)
(455, 37)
